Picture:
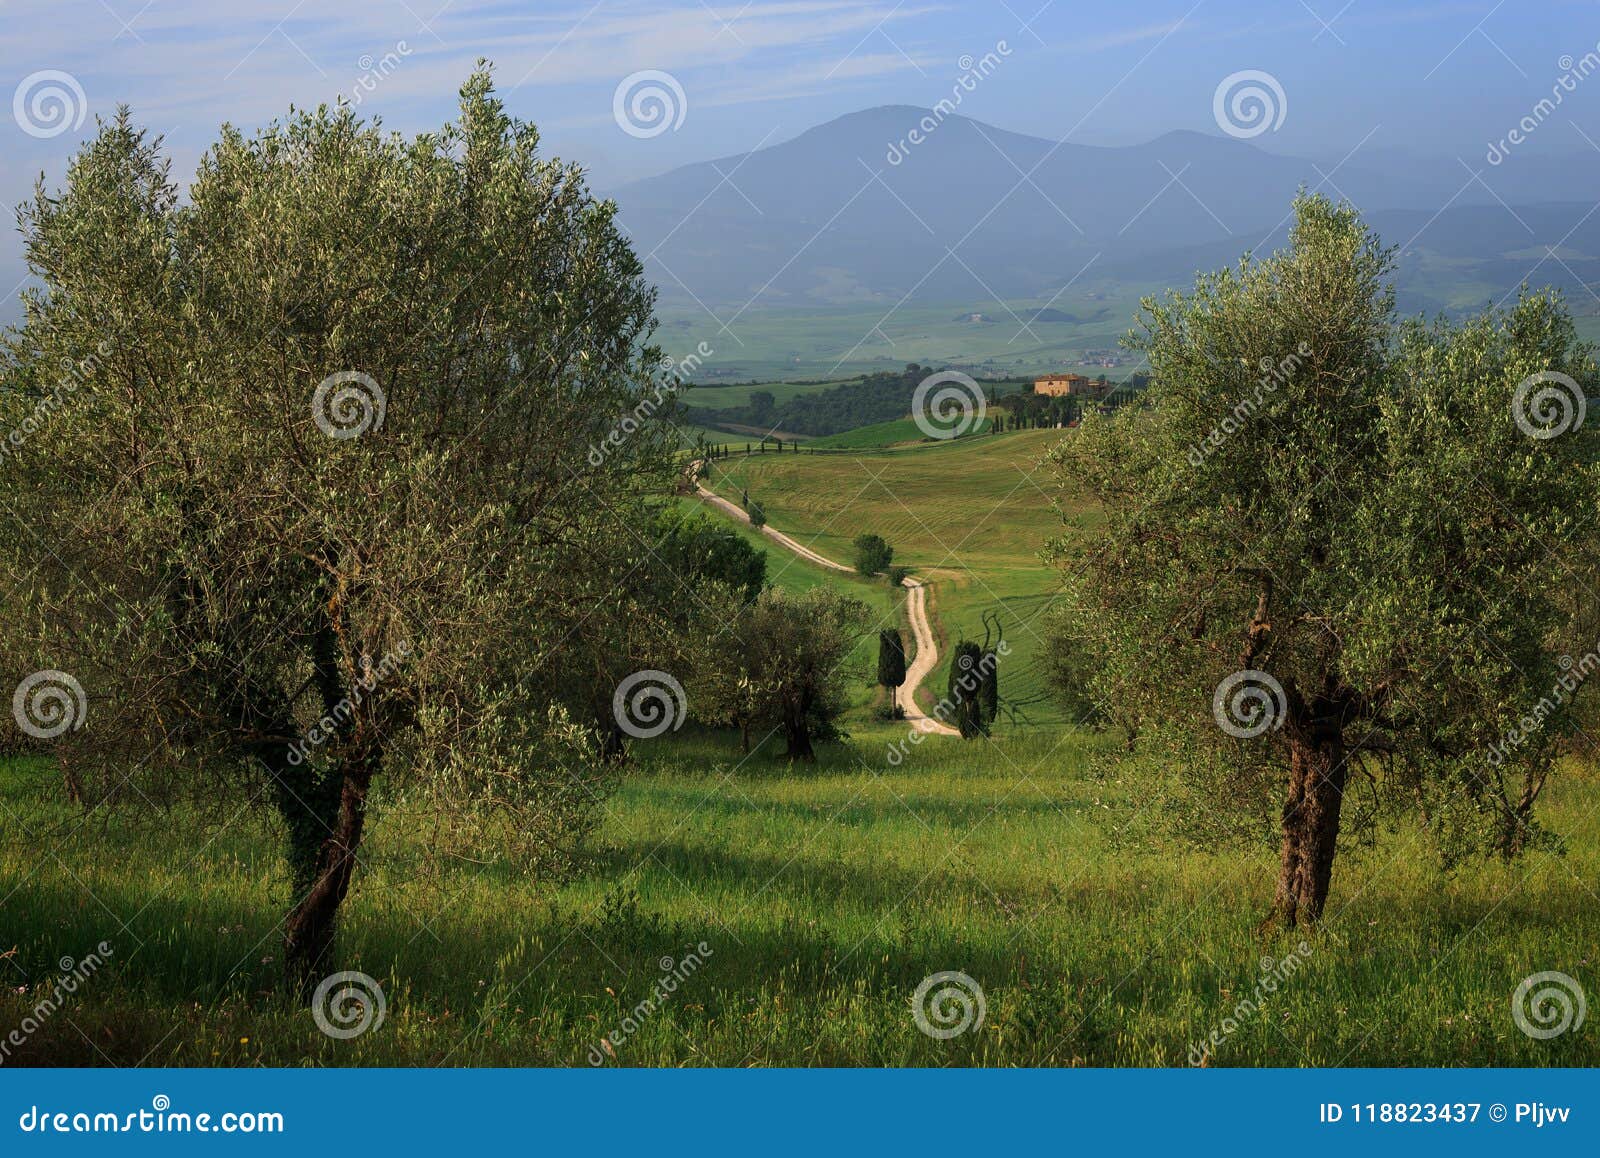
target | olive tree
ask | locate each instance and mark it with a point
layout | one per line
(1335, 549)
(794, 652)
(313, 529)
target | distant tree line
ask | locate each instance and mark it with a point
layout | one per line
(873, 398)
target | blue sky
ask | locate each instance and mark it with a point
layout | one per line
(1436, 77)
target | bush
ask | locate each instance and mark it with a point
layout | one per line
(758, 514)
(898, 576)
(873, 554)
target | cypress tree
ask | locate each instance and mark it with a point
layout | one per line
(891, 662)
(989, 687)
(962, 690)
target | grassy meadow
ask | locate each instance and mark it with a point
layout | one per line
(814, 901)
(971, 514)
(896, 432)
(822, 898)
(791, 573)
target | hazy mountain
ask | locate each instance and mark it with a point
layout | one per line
(1462, 258)
(853, 211)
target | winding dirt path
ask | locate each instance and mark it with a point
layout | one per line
(927, 657)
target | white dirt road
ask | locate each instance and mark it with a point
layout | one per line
(927, 655)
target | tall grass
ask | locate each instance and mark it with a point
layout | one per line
(823, 896)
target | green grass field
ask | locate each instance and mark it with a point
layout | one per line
(882, 434)
(715, 397)
(842, 340)
(812, 902)
(823, 898)
(971, 515)
(795, 575)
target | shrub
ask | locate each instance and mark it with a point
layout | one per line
(873, 554)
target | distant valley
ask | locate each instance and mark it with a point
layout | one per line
(817, 255)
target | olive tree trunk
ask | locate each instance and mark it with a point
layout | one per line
(309, 929)
(1317, 772)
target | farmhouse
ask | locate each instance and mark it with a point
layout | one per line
(1059, 384)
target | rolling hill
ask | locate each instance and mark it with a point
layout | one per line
(970, 515)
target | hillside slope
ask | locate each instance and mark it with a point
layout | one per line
(970, 515)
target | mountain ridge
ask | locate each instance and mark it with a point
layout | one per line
(854, 210)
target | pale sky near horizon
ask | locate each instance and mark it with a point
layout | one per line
(1441, 77)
